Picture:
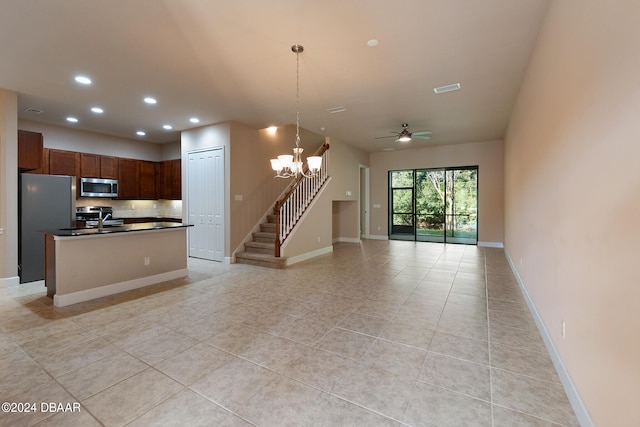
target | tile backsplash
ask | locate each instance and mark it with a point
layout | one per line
(136, 208)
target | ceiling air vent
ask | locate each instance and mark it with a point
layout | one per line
(33, 110)
(335, 110)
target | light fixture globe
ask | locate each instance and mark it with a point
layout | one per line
(291, 166)
(404, 137)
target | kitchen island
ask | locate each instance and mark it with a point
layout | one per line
(82, 264)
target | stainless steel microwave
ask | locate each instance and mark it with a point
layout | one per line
(98, 187)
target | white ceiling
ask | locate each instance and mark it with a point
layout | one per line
(231, 60)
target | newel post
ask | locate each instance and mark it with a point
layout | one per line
(276, 211)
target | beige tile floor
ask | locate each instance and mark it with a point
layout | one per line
(378, 333)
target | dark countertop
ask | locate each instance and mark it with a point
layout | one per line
(110, 229)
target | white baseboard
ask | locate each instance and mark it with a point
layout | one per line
(346, 240)
(377, 237)
(309, 255)
(9, 281)
(227, 260)
(115, 288)
(582, 414)
(491, 244)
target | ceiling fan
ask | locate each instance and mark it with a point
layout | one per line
(406, 136)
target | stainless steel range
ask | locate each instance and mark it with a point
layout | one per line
(92, 215)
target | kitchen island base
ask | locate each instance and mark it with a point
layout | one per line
(80, 268)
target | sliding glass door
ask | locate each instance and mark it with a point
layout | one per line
(434, 205)
(403, 226)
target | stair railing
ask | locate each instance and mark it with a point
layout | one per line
(290, 208)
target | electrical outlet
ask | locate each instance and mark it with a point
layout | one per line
(147, 260)
(564, 329)
(318, 239)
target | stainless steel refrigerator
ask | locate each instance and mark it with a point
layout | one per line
(46, 202)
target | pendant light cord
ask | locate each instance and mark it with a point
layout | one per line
(297, 98)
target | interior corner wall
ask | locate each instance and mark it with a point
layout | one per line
(488, 156)
(8, 187)
(345, 221)
(572, 198)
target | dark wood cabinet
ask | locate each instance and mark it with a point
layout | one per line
(147, 179)
(170, 179)
(108, 167)
(137, 179)
(30, 148)
(89, 165)
(63, 162)
(176, 179)
(128, 181)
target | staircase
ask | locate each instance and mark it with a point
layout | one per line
(265, 249)
(260, 251)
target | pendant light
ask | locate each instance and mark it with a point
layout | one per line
(287, 165)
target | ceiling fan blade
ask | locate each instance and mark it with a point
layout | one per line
(422, 132)
(420, 136)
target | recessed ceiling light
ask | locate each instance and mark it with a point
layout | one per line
(373, 43)
(389, 149)
(447, 88)
(72, 119)
(322, 129)
(83, 80)
(97, 110)
(141, 133)
(150, 100)
(167, 127)
(194, 120)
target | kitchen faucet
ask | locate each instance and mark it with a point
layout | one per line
(101, 220)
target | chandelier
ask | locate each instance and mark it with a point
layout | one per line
(287, 165)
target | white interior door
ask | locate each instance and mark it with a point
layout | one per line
(205, 203)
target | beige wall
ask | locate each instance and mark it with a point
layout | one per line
(488, 156)
(317, 231)
(8, 187)
(64, 138)
(345, 221)
(572, 197)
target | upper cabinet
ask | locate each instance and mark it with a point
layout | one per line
(108, 167)
(147, 180)
(62, 162)
(128, 178)
(89, 165)
(97, 166)
(170, 179)
(30, 149)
